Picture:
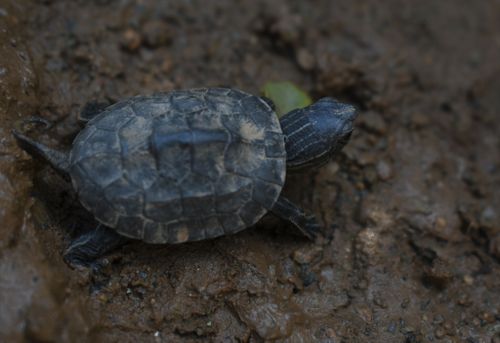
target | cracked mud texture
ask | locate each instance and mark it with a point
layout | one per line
(411, 208)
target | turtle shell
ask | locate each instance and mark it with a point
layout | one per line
(179, 166)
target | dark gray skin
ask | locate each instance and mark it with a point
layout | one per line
(191, 165)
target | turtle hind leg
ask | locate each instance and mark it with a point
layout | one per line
(91, 110)
(57, 159)
(290, 212)
(85, 249)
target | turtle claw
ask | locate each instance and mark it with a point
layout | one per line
(312, 229)
(23, 125)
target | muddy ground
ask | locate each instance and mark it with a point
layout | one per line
(410, 209)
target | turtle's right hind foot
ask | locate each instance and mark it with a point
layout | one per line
(86, 249)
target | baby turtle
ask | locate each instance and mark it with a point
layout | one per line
(191, 164)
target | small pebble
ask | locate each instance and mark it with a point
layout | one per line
(488, 217)
(469, 280)
(495, 246)
(374, 122)
(366, 158)
(307, 276)
(366, 314)
(305, 59)
(131, 40)
(448, 326)
(360, 186)
(439, 333)
(464, 300)
(370, 174)
(424, 305)
(407, 329)
(488, 317)
(307, 255)
(380, 301)
(102, 298)
(156, 33)
(438, 319)
(330, 333)
(440, 223)
(419, 120)
(167, 65)
(332, 168)
(384, 170)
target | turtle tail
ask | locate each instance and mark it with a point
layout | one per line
(57, 159)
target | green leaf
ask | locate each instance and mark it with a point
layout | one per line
(286, 96)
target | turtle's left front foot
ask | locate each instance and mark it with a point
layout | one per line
(312, 227)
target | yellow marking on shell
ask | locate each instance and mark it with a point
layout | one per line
(182, 235)
(219, 164)
(249, 158)
(249, 131)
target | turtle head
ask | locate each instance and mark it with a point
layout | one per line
(315, 133)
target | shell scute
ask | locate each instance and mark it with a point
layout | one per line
(125, 198)
(112, 120)
(102, 169)
(153, 232)
(163, 201)
(131, 226)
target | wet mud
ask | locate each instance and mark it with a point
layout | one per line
(410, 208)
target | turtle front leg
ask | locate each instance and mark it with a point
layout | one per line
(88, 247)
(287, 210)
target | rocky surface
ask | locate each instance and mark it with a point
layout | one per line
(410, 208)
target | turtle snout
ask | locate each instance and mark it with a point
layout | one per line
(333, 118)
(348, 115)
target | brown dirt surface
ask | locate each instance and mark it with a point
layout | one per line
(411, 208)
